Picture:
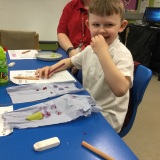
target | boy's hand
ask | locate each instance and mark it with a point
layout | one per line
(99, 44)
(74, 70)
(43, 72)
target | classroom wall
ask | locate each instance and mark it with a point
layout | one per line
(157, 3)
(151, 3)
(41, 16)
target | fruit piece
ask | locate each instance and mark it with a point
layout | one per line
(35, 116)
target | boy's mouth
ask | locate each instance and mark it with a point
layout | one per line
(106, 37)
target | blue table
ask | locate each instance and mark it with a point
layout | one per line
(94, 130)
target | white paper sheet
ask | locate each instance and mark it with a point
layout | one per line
(63, 76)
(3, 131)
(20, 54)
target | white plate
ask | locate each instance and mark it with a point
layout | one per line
(48, 56)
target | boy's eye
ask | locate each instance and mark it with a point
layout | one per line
(109, 25)
(95, 24)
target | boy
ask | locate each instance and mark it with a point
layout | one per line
(107, 65)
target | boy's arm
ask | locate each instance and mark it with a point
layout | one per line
(118, 83)
(60, 66)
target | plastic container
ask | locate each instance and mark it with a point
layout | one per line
(3, 68)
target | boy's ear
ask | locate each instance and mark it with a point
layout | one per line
(87, 23)
(123, 26)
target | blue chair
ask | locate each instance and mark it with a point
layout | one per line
(79, 76)
(142, 77)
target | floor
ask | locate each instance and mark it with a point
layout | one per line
(144, 137)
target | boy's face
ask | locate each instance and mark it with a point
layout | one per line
(107, 26)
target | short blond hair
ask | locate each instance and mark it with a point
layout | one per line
(107, 8)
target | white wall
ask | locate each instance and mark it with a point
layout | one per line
(41, 16)
(157, 3)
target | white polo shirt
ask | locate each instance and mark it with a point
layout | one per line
(114, 108)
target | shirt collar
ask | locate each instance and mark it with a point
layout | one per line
(113, 44)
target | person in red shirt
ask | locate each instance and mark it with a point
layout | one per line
(73, 35)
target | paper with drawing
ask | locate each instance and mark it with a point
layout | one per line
(22, 54)
(29, 75)
(4, 131)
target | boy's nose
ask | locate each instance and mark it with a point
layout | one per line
(102, 30)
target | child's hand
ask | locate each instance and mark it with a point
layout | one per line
(43, 72)
(74, 70)
(99, 44)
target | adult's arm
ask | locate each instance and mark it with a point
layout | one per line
(65, 43)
